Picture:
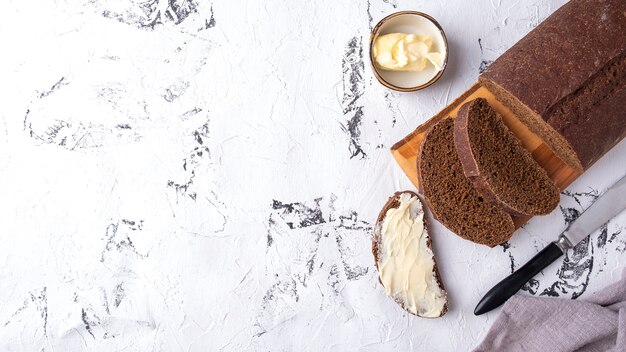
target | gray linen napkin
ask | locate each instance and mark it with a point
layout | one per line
(528, 323)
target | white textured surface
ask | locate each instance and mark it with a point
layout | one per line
(209, 182)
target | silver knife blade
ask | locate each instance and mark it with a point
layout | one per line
(610, 204)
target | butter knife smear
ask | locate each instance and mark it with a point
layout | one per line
(406, 264)
(405, 52)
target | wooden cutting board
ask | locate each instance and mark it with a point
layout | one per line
(405, 151)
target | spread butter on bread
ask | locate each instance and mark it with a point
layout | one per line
(404, 257)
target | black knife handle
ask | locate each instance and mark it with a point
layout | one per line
(506, 288)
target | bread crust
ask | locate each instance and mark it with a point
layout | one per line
(394, 202)
(559, 60)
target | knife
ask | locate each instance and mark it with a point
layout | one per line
(612, 202)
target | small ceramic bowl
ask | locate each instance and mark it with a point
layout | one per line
(410, 22)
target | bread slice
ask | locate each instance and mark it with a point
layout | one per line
(452, 197)
(404, 257)
(502, 171)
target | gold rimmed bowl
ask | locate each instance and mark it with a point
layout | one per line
(410, 22)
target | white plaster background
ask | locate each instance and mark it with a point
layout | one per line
(202, 176)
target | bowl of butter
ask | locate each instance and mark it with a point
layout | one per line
(408, 51)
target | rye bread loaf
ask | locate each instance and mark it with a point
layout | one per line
(379, 252)
(452, 197)
(502, 171)
(566, 80)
